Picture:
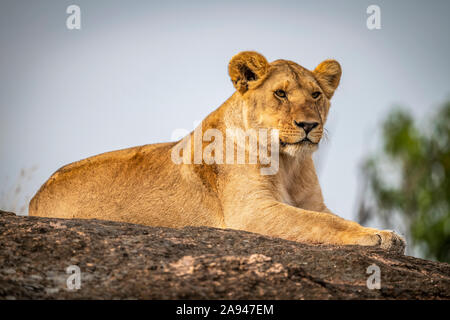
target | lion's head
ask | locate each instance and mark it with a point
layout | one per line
(285, 96)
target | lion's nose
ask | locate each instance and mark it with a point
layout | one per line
(307, 126)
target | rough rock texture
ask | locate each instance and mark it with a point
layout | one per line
(126, 261)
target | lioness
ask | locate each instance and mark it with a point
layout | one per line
(143, 185)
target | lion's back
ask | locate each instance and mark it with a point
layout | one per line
(105, 178)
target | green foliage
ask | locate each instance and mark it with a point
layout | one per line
(417, 188)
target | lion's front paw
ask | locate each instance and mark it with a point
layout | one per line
(385, 239)
(392, 241)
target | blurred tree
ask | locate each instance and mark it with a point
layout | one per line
(407, 184)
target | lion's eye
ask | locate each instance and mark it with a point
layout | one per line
(280, 93)
(316, 94)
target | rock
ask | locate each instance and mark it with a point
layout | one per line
(126, 261)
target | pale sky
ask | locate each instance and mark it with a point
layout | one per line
(138, 70)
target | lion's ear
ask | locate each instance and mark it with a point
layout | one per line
(328, 74)
(246, 69)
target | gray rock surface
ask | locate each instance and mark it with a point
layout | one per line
(126, 261)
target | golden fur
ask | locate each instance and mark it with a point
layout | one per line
(142, 185)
